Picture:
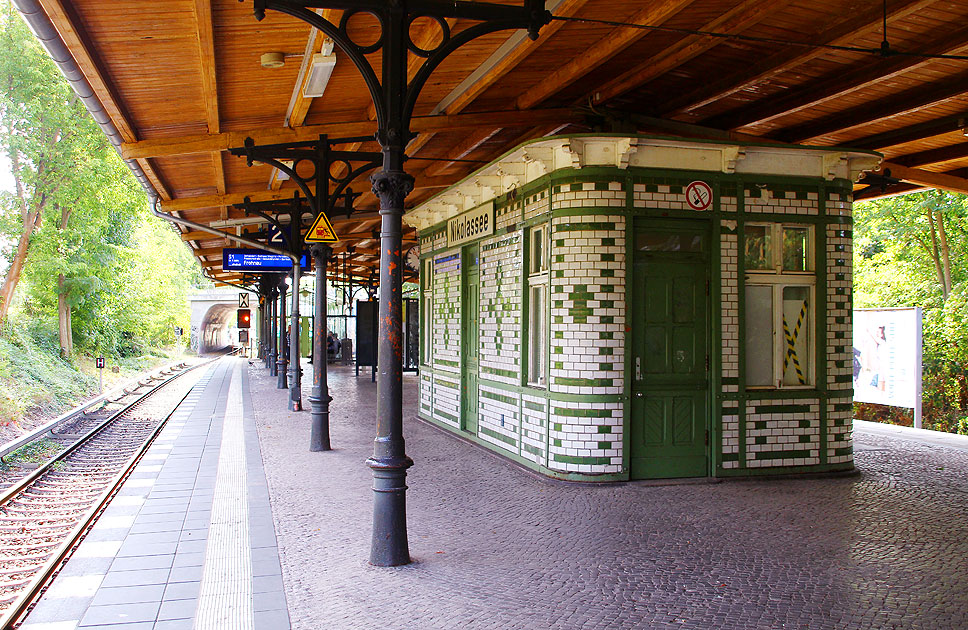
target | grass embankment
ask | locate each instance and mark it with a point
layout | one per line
(36, 384)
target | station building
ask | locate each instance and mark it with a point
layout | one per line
(603, 308)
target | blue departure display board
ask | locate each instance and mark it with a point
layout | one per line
(236, 259)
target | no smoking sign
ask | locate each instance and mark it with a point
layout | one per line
(699, 195)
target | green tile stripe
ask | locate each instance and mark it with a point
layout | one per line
(782, 454)
(499, 397)
(498, 436)
(582, 413)
(574, 459)
(584, 382)
(781, 409)
(499, 372)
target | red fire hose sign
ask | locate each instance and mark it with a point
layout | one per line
(699, 195)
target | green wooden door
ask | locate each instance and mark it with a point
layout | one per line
(470, 339)
(670, 355)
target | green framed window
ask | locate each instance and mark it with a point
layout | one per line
(779, 305)
(427, 310)
(537, 317)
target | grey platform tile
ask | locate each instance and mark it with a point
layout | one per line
(189, 559)
(128, 595)
(265, 554)
(152, 537)
(120, 614)
(192, 546)
(103, 534)
(271, 600)
(154, 528)
(59, 609)
(267, 583)
(139, 563)
(186, 534)
(162, 517)
(272, 620)
(140, 548)
(87, 566)
(135, 578)
(174, 624)
(185, 574)
(177, 609)
(182, 590)
(266, 567)
(141, 625)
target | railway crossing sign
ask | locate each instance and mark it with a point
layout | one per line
(243, 300)
(321, 231)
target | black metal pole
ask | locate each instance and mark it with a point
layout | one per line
(389, 546)
(295, 371)
(281, 361)
(319, 398)
(273, 332)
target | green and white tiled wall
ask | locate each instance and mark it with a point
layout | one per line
(577, 427)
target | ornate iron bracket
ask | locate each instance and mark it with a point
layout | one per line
(393, 97)
(311, 164)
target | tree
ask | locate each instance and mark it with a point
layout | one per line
(912, 250)
(52, 144)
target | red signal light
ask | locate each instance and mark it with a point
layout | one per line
(244, 318)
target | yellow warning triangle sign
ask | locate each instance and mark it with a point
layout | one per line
(322, 231)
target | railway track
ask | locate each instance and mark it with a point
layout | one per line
(45, 514)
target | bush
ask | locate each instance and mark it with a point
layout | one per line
(33, 376)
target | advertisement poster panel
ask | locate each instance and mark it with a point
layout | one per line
(887, 357)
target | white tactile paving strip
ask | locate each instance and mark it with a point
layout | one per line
(226, 591)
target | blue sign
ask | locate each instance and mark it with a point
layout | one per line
(234, 259)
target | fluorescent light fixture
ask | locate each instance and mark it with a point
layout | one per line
(282, 175)
(320, 70)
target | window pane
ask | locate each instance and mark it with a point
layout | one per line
(795, 249)
(536, 338)
(759, 335)
(663, 242)
(758, 247)
(796, 335)
(538, 250)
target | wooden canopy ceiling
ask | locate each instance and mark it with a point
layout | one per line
(182, 82)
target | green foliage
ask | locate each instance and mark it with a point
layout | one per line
(124, 274)
(33, 377)
(894, 266)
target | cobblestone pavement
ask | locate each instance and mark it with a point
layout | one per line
(497, 547)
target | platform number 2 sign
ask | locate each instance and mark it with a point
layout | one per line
(699, 195)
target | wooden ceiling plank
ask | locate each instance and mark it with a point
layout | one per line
(203, 143)
(939, 155)
(568, 8)
(463, 148)
(845, 32)
(736, 20)
(205, 39)
(943, 181)
(77, 42)
(911, 99)
(155, 179)
(597, 54)
(835, 85)
(912, 133)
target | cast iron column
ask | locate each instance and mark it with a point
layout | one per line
(390, 462)
(273, 332)
(295, 377)
(281, 362)
(319, 398)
